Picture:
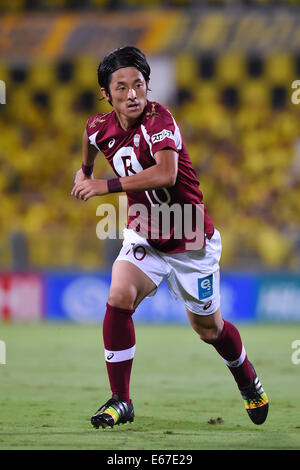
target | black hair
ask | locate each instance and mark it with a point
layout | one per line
(127, 56)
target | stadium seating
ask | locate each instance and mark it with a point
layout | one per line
(237, 120)
(21, 5)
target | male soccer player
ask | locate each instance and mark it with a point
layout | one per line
(143, 144)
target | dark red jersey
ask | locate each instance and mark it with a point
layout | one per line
(131, 151)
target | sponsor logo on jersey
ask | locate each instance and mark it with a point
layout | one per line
(111, 143)
(205, 287)
(125, 162)
(110, 356)
(165, 133)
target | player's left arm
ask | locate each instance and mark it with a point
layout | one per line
(161, 175)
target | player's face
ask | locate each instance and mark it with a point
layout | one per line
(128, 94)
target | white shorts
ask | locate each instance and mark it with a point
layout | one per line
(192, 276)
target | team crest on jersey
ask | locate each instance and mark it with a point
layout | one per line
(111, 143)
(136, 140)
(161, 136)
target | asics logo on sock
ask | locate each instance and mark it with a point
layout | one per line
(235, 363)
(119, 356)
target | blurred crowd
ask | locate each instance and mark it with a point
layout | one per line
(19, 5)
(238, 122)
(237, 119)
(243, 135)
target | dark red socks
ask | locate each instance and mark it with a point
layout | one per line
(119, 348)
(230, 347)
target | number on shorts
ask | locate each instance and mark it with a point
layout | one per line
(139, 252)
(130, 248)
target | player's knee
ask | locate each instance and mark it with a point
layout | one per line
(207, 327)
(122, 298)
(208, 335)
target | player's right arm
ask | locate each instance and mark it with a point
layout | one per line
(89, 153)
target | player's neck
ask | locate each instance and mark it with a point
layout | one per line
(124, 122)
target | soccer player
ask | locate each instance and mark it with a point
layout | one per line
(143, 144)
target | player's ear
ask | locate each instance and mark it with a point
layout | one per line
(105, 95)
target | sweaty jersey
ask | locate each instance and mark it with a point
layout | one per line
(131, 151)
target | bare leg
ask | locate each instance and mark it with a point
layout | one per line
(129, 285)
(208, 327)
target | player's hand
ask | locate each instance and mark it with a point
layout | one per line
(80, 176)
(88, 188)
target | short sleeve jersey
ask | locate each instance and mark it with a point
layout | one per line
(132, 151)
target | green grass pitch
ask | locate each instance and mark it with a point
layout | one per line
(55, 378)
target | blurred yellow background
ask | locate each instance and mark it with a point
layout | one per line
(234, 66)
